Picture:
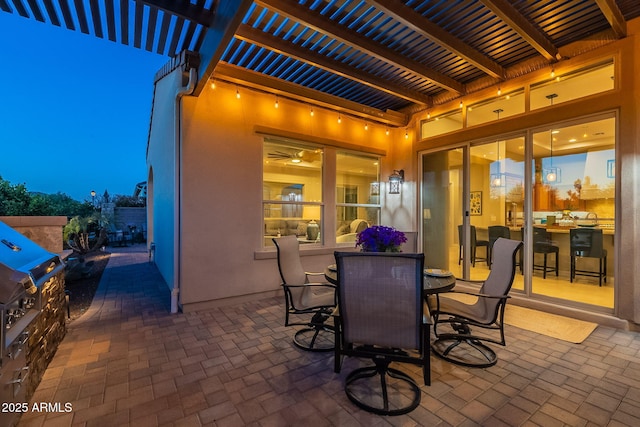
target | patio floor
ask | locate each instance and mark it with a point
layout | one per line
(127, 361)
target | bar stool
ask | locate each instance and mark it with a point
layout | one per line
(587, 243)
(474, 245)
(495, 232)
(542, 245)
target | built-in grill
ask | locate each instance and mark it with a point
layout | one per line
(25, 268)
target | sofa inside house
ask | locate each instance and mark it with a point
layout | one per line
(347, 230)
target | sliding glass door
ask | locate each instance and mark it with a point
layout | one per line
(442, 208)
(564, 212)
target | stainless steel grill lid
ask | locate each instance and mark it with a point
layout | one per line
(24, 265)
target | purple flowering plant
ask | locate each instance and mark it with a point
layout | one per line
(379, 238)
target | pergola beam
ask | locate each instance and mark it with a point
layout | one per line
(225, 22)
(510, 15)
(314, 20)
(284, 47)
(421, 25)
(612, 12)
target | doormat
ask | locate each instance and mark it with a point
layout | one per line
(551, 325)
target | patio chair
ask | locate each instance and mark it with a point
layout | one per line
(316, 301)
(380, 317)
(483, 309)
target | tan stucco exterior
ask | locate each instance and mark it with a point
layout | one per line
(220, 237)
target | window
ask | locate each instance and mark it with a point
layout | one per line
(357, 194)
(292, 191)
(441, 124)
(497, 108)
(576, 85)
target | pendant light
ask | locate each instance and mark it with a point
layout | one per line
(551, 175)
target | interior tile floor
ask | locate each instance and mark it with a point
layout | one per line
(128, 361)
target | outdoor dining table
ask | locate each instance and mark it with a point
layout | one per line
(435, 280)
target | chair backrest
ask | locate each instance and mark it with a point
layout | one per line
(290, 267)
(496, 231)
(502, 272)
(540, 237)
(586, 242)
(380, 298)
(472, 231)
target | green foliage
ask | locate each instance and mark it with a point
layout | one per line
(129, 201)
(15, 200)
(86, 234)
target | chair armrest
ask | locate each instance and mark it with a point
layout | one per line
(475, 294)
(312, 273)
(313, 285)
(472, 282)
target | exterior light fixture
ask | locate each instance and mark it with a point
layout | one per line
(406, 134)
(237, 94)
(276, 103)
(213, 84)
(311, 112)
(386, 131)
(395, 181)
(339, 118)
(366, 126)
(499, 91)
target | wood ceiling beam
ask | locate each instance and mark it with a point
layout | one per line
(421, 25)
(243, 77)
(228, 16)
(184, 9)
(612, 12)
(314, 20)
(510, 15)
(284, 47)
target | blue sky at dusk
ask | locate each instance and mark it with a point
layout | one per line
(74, 110)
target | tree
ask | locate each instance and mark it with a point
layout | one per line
(14, 199)
(86, 234)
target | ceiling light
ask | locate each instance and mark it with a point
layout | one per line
(295, 160)
(366, 126)
(276, 104)
(237, 94)
(311, 112)
(499, 91)
(339, 118)
(213, 84)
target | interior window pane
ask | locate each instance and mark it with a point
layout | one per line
(574, 189)
(292, 191)
(583, 83)
(503, 106)
(441, 124)
(357, 194)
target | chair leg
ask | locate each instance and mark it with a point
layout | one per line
(572, 273)
(544, 270)
(557, 265)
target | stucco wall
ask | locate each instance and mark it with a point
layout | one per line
(222, 188)
(161, 156)
(46, 231)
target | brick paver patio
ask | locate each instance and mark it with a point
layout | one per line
(127, 361)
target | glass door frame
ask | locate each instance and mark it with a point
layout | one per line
(528, 220)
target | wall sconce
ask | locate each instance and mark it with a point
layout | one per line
(395, 181)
